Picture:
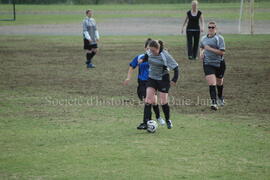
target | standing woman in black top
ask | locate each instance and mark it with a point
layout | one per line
(193, 29)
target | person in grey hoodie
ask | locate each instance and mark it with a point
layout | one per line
(90, 37)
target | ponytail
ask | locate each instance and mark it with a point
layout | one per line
(161, 46)
(147, 42)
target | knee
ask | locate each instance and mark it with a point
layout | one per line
(211, 82)
(219, 82)
(163, 101)
(149, 100)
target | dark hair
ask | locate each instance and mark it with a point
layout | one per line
(157, 44)
(87, 11)
(161, 45)
(147, 42)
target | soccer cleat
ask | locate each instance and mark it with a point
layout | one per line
(169, 124)
(161, 121)
(214, 107)
(190, 57)
(90, 66)
(142, 126)
(220, 101)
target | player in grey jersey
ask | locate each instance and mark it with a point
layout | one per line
(160, 61)
(90, 38)
(212, 50)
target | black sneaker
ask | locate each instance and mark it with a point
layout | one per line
(142, 126)
(169, 124)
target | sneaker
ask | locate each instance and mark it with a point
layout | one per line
(190, 57)
(214, 107)
(169, 124)
(142, 126)
(220, 101)
(90, 66)
(161, 121)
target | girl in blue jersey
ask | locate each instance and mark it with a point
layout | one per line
(143, 72)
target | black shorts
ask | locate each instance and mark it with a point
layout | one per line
(88, 46)
(160, 85)
(218, 71)
(141, 89)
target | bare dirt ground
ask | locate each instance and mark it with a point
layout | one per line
(130, 26)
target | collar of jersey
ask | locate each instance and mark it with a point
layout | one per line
(212, 36)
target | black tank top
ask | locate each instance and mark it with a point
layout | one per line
(193, 21)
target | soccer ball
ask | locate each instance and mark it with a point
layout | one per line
(152, 126)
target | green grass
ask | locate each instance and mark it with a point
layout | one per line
(52, 125)
(55, 14)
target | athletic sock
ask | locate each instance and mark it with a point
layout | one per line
(147, 112)
(213, 94)
(220, 91)
(166, 111)
(89, 57)
(157, 112)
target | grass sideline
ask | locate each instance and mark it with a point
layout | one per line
(55, 14)
(46, 134)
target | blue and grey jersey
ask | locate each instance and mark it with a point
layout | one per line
(90, 31)
(217, 42)
(160, 65)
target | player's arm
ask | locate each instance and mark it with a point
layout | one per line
(220, 52)
(85, 32)
(96, 33)
(202, 23)
(175, 75)
(130, 71)
(144, 59)
(186, 20)
(171, 64)
(201, 53)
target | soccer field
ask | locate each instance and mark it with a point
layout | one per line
(61, 121)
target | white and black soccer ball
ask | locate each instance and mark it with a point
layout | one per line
(152, 126)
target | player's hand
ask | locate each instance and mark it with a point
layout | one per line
(126, 82)
(202, 30)
(207, 47)
(140, 61)
(202, 56)
(89, 41)
(173, 83)
(97, 40)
